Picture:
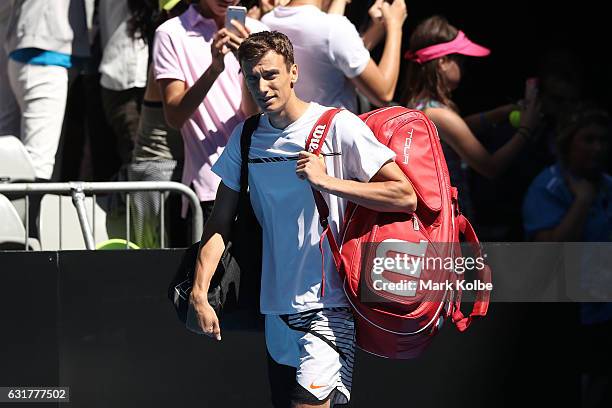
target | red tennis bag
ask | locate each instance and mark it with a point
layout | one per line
(395, 318)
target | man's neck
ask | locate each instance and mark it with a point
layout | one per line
(207, 13)
(294, 109)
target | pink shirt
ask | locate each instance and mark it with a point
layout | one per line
(182, 51)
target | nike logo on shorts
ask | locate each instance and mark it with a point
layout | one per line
(314, 387)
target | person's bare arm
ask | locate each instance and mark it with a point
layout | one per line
(373, 35)
(455, 132)
(337, 7)
(389, 190)
(480, 122)
(376, 30)
(216, 233)
(180, 101)
(378, 82)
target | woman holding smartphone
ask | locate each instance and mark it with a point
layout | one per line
(437, 51)
(202, 87)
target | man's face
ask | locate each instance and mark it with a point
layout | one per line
(217, 7)
(270, 82)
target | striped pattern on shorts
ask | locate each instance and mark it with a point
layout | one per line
(329, 339)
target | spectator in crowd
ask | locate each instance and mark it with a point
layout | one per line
(376, 29)
(45, 41)
(85, 151)
(571, 201)
(338, 7)
(332, 56)
(123, 72)
(202, 89)
(371, 37)
(436, 54)
(158, 151)
(560, 90)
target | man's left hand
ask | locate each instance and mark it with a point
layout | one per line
(312, 168)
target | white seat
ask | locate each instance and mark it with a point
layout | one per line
(15, 165)
(12, 231)
(15, 161)
(68, 235)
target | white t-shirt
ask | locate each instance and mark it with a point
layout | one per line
(285, 207)
(327, 49)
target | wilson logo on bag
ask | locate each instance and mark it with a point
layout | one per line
(317, 134)
(400, 270)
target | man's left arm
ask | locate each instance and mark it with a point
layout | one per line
(388, 190)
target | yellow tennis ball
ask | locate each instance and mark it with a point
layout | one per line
(515, 118)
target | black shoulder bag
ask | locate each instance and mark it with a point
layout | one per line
(235, 285)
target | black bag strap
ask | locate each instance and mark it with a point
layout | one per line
(245, 144)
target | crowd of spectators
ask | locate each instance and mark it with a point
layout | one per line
(150, 90)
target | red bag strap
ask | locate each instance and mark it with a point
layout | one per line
(319, 131)
(314, 144)
(481, 305)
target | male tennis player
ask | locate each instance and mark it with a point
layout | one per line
(309, 336)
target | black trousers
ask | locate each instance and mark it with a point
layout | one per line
(122, 111)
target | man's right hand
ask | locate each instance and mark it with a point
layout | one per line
(216, 233)
(206, 315)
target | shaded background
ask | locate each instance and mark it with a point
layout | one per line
(518, 33)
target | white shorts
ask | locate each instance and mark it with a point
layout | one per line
(320, 344)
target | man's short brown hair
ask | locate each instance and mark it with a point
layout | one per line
(258, 44)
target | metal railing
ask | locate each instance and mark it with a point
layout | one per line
(79, 190)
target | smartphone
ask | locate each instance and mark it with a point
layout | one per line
(237, 13)
(531, 89)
